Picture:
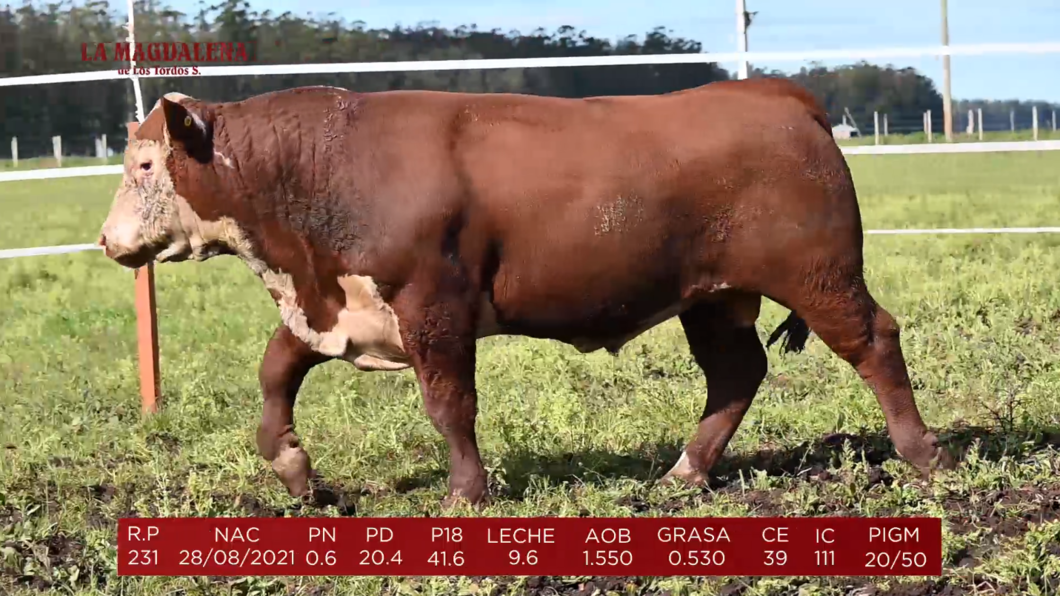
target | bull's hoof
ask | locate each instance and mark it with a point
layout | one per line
(930, 456)
(292, 467)
(458, 501)
(945, 461)
(941, 461)
(683, 474)
(473, 493)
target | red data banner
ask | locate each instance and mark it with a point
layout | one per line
(553, 546)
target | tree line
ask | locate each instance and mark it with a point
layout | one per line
(40, 38)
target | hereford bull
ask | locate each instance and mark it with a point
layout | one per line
(395, 229)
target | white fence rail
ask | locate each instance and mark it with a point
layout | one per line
(52, 173)
(653, 59)
(15, 253)
(921, 149)
(909, 149)
(498, 63)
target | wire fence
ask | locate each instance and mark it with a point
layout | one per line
(899, 128)
(147, 332)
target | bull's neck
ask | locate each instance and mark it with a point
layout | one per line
(285, 209)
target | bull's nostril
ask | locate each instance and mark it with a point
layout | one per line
(102, 240)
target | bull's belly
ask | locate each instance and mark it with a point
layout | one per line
(587, 325)
(589, 337)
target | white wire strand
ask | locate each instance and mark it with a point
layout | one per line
(15, 253)
(908, 149)
(557, 62)
(438, 65)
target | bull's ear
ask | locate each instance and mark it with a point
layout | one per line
(188, 129)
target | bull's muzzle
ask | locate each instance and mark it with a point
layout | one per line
(131, 255)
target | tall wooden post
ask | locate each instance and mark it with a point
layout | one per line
(147, 330)
(947, 98)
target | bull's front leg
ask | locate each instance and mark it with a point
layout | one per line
(286, 362)
(440, 339)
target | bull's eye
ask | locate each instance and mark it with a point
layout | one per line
(145, 166)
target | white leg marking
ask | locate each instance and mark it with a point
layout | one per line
(682, 468)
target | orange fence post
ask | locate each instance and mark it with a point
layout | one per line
(147, 329)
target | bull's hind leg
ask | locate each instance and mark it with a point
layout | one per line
(839, 309)
(726, 347)
(286, 362)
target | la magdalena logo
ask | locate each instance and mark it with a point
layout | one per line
(188, 55)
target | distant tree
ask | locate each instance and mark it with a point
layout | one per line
(37, 38)
(862, 88)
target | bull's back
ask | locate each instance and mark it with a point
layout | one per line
(597, 173)
(655, 149)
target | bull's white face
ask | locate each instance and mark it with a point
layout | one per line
(145, 218)
(148, 219)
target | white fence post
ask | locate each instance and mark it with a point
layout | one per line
(885, 133)
(14, 148)
(1054, 120)
(927, 117)
(1012, 120)
(57, 149)
(1034, 121)
(970, 129)
(980, 124)
(103, 144)
(876, 126)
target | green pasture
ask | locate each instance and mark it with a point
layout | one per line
(561, 433)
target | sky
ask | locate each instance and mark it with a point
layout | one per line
(780, 25)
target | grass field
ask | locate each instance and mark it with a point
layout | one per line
(561, 433)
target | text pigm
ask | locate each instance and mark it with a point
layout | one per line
(894, 534)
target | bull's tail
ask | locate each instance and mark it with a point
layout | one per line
(797, 333)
